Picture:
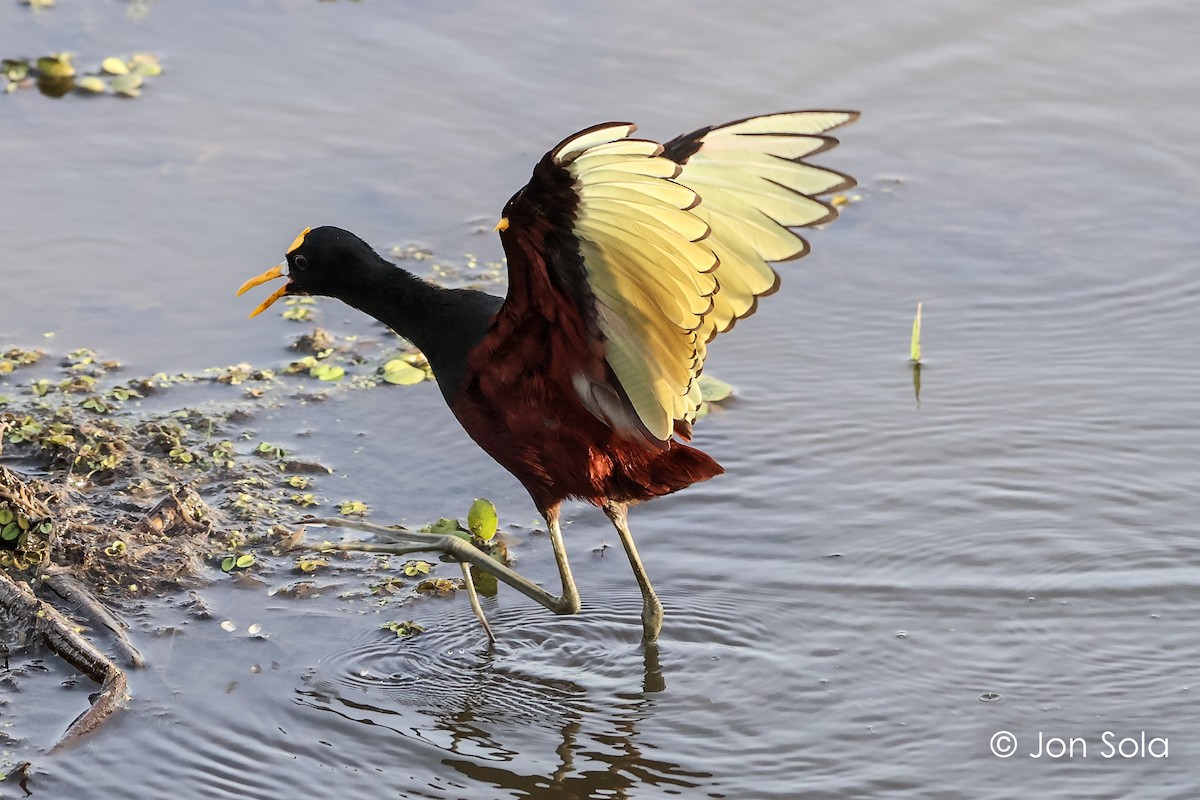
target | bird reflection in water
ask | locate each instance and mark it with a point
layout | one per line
(592, 741)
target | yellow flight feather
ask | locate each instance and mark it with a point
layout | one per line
(675, 253)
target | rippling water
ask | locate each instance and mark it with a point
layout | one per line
(877, 586)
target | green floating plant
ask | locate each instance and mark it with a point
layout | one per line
(443, 525)
(56, 74)
(327, 372)
(232, 562)
(415, 568)
(356, 507)
(712, 391)
(402, 373)
(403, 629)
(482, 519)
(914, 349)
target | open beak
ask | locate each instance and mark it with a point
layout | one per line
(270, 275)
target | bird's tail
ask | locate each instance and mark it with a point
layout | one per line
(670, 470)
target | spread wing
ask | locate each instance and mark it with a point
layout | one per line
(660, 248)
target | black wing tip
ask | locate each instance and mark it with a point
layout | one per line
(683, 147)
(590, 129)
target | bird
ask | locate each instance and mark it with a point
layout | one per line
(626, 257)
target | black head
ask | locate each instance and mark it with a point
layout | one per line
(323, 261)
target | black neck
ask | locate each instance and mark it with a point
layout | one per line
(445, 324)
(398, 299)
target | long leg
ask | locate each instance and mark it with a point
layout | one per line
(469, 582)
(652, 610)
(569, 599)
(402, 542)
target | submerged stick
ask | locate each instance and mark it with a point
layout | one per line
(59, 635)
(71, 589)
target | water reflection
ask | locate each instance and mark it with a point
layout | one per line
(55, 87)
(588, 744)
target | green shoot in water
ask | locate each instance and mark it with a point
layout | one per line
(914, 353)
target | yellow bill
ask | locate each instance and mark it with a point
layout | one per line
(502, 225)
(271, 274)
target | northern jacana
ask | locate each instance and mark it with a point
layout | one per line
(625, 258)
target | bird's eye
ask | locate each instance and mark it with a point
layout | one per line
(300, 262)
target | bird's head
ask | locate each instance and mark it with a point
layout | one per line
(320, 261)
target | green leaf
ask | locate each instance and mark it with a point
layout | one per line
(6, 516)
(15, 69)
(914, 351)
(298, 314)
(399, 371)
(327, 372)
(128, 85)
(92, 84)
(444, 525)
(114, 66)
(10, 532)
(414, 568)
(403, 629)
(244, 561)
(714, 390)
(482, 519)
(57, 65)
(145, 64)
(353, 507)
(227, 564)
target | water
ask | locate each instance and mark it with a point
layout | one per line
(869, 568)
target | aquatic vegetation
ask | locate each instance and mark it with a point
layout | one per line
(914, 349)
(26, 524)
(443, 525)
(437, 587)
(403, 629)
(15, 358)
(914, 354)
(56, 75)
(357, 507)
(839, 200)
(236, 561)
(713, 391)
(482, 519)
(401, 372)
(118, 439)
